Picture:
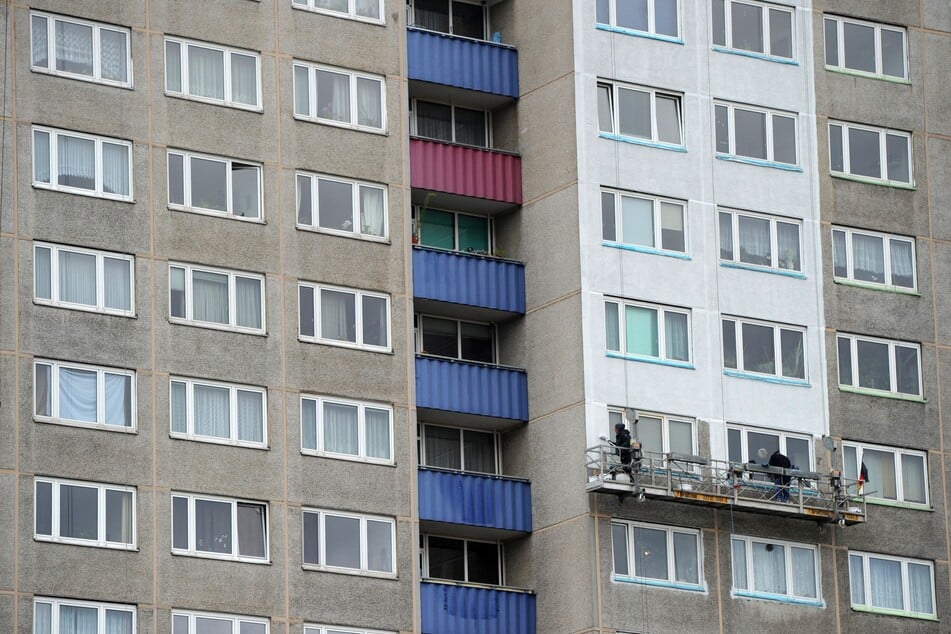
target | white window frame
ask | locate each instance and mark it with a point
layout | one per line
(864, 557)
(424, 558)
(350, 13)
(232, 299)
(235, 619)
(774, 264)
(898, 453)
(651, 20)
(54, 388)
(192, 550)
(313, 179)
(618, 415)
(233, 389)
(364, 569)
(102, 608)
(747, 452)
(892, 363)
(486, 122)
(656, 218)
(662, 310)
(189, 205)
(887, 239)
(100, 541)
(486, 29)
(226, 51)
(419, 213)
(787, 547)
(654, 93)
(497, 448)
(353, 123)
(840, 22)
(55, 290)
(770, 148)
(777, 328)
(358, 315)
(421, 332)
(669, 532)
(99, 192)
(97, 28)
(883, 134)
(361, 455)
(765, 7)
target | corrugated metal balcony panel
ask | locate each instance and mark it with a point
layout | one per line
(475, 500)
(457, 609)
(472, 280)
(471, 64)
(466, 171)
(471, 388)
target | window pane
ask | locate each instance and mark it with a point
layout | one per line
(372, 210)
(306, 306)
(719, 23)
(780, 33)
(665, 17)
(76, 162)
(210, 297)
(797, 450)
(845, 361)
(864, 153)
(784, 139)
(73, 48)
(78, 619)
(634, 113)
(672, 227)
(338, 316)
(432, 15)
(78, 395)
(885, 578)
(42, 618)
(44, 508)
(115, 169)
(605, 111)
(176, 179)
(881, 472)
(832, 42)
(729, 344)
(78, 512)
(896, 149)
(250, 416)
(619, 546)
(41, 156)
(77, 278)
(477, 342)
(903, 264)
(443, 448)
(213, 526)
(341, 434)
(378, 433)
(342, 541)
(302, 90)
(244, 79)
(436, 228)
(755, 246)
(868, 258)
(603, 12)
(758, 440)
(206, 72)
(40, 42)
(734, 445)
(686, 567)
(759, 354)
(839, 255)
(440, 337)
(483, 559)
(248, 302)
(668, 119)
(304, 205)
(804, 572)
(479, 451)
(631, 14)
(333, 96)
(244, 190)
(608, 222)
(920, 588)
(913, 478)
(119, 516)
(641, 331)
(209, 184)
(446, 558)
(114, 55)
(859, 46)
(649, 432)
(726, 236)
(906, 366)
(173, 67)
(470, 127)
(739, 565)
(750, 132)
(650, 553)
(473, 233)
(836, 160)
(747, 27)
(369, 103)
(368, 9)
(375, 324)
(177, 407)
(311, 538)
(333, 5)
(676, 338)
(208, 625)
(246, 627)
(893, 53)
(379, 546)
(180, 523)
(42, 390)
(467, 20)
(787, 238)
(681, 436)
(308, 423)
(857, 579)
(637, 221)
(873, 365)
(791, 343)
(611, 327)
(118, 283)
(251, 530)
(769, 568)
(335, 205)
(434, 121)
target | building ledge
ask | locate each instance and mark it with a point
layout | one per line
(650, 36)
(763, 269)
(645, 142)
(633, 357)
(872, 286)
(868, 180)
(780, 598)
(755, 55)
(861, 73)
(901, 613)
(778, 380)
(647, 250)
(659, 583)
(758, 162)
(914, 398)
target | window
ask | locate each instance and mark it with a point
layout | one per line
(452, 124)
(898, 475)
(208, 72)
(643, 221)
(867, 152)
(775, 570)
(652, 553)
(219, 527)
(344, 317)
(215, 623)
(764, 348)
(84, 395)
(80, 163)
(341, 542)
(866, 47)
(218, 412)
(454, 339)
(756, 27)
(80, 49)
(340, 205)
(465, 19)
(879, 364)
(216, 298)
(640, 113)
(346, 429)
(84, 513)
(756, 134)
(899, 585)
(760, 240)
(655, 17)
(369, 10)
(465, 560)
(744, 443)
(336, 629)
(659, 433)
(647, 330)
(68, 616)
(336, 96)
(83, 279)
(878, 258)
(453, 231)
(469, 450)
(214, 185)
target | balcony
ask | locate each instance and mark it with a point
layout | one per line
(466, 609)
(498, 503)
(477, 395)
(465, 178)
(439, 58)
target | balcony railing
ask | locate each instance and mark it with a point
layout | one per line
(440, 58)
(474, 499)
(469, 280)
(478, 389)
(467, 609)
(466, 171)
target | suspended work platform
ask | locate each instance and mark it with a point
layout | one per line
(721, 484)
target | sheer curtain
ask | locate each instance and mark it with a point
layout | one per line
(74, 48)
(119, 516)
(377, 433)
(212, 411)
(118, 622)
(302, 91)
(42, 618)
(433, 120)
(77, 278)
(479, 451)
(337, 316)
(885, 579)
(369, 103)
(340, 429)
(308, 417)
(333, 96)
(675, 336)
(754, 241)
(118, 400)
(206, 72)
(178, 407)
(41, 156)
(76, 162)
(248, 302)
(113, 56)
(442, 447)
(913, 478)
(769, 568)
(77, 395)
(213, 526)
(371, 211)
(76, 619)
(115, 169)
(804, 572)
(41, 45)
(244, 79)
(368, 8)
(868, 258)
(903, 268)
(787, 236)
(118, 285)
(210, 297)
(920, 588)
(250, 416)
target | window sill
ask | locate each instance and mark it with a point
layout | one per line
(337, 14)
(865, 391)
(647, 250)
(343, 344)
(888, 612)
(47, 420)
(758, 162)
(345, 234)
(340, 124)
(348, 458)
(83, 308)
(85, 78)
(221, 557)
(82, 192)
(200, 211)
(867, 75)
(899, 290)
(911, 506)
(655, 360)
(645, 142)
(644, 34)
(780, 598)
(658, 583)
(85, 542)
(755, 55)
(350, 571)
(868, 180)
(763, 269)
(213, 326)
(219, 441)
(215, 102)
(778, 380)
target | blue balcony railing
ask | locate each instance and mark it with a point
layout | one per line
(470, 280)
(471, 388)
(439, 58)
(475, 500)
(457, 609)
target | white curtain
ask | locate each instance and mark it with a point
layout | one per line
(173, 66)
(868, 258)
(375, 326)
(178, 407)
(857, 580)
(206, 72)
(212, 411)
(686, 567)
(302, 91)
(675, 326)
(377, 433)
(118, 622)
(118, 285)
(333, 96)
(443, 448)
(804, 572)
(368, 9)
(119, 516)
(75, 619)
(340, 429)
(77, 395)
(42, 618)
(244, 79)
(115, 168)
(754, 241)
(881, 473)
(250, 416)
(118, 399)
(787, 236)
(308, 416)
(903, 268)
(113, 56)
(919, 588)
(248, 302)
(74, 48)
(885, 578)
(210, 295)
(77, 278)
(337, 318)
(40, 37)
(76, 162)
(913, 478)
(769, 568)
(333, 5)
(371, 211)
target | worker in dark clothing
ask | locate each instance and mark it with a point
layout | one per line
(781, 481)
(622, 440)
